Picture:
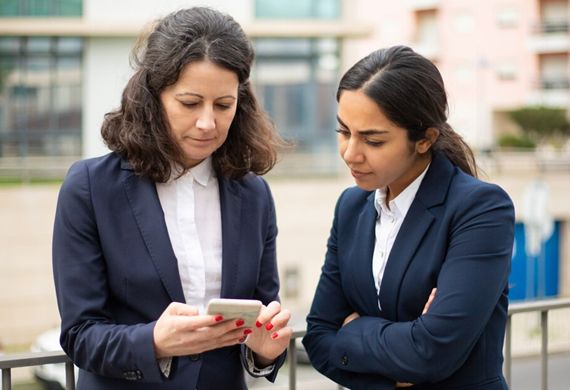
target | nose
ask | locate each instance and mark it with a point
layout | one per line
(206, 120)
(350, 151)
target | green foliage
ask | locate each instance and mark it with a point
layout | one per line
(516, 141)
(539, 122)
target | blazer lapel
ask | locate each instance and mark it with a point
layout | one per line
(432, 192)
(361, 258)
(230, 203)
(146, 208)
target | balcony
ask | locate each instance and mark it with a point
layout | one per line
(422, 5)
(553, 92)
(551, 37)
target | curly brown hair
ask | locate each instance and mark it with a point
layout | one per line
(138, 129)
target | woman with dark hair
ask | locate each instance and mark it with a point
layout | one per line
(174, 216)
(413, 291)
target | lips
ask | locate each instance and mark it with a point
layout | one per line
(357, 174)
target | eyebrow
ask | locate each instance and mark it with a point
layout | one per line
(363, 132)
(200, 96)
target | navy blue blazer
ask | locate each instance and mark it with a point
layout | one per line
(457, 236)
(115, 273)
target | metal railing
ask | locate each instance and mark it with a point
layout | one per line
(542, 306)
(9, 362)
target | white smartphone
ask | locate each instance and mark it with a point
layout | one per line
(246, 309)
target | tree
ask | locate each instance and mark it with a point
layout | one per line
(541, 123)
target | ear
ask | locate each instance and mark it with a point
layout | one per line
(424, 145)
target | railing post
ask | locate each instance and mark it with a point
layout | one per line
(69, 376)
(6, 379)
(508, 351)
(544, 350)
(292, 364)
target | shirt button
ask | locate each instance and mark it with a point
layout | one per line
(344, 360)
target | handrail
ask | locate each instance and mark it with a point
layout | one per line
(7, 362)
(542, 306)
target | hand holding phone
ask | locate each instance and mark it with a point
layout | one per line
(245, 309)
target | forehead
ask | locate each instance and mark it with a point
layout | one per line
(358, 111)
(206, 76)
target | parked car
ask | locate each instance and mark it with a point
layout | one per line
(51, 376)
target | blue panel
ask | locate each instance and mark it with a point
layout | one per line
(535, 277)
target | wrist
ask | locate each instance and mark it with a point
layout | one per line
(262, 362)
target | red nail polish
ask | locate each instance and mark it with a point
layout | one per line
(218, 318)
(274, 336)
(247, 331)
(242, 340)
(258, 324)
(269, 326)
(239, 323)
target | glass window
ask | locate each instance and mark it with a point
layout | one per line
(296, 82)
(11, 8)
(298, 9)
(40, 97)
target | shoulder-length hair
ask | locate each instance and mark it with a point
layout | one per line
(138, 129)
(409, 90)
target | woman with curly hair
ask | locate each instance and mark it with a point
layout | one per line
(174, 216)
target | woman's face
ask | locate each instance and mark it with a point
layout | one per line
(200, 108)
(378, 152)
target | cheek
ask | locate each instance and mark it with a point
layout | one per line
(342, 143)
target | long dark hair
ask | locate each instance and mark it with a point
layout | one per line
(138, 129)
(409, 90)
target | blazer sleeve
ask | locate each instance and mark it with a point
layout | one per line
(88, 334)
(267, 288)
(324, 322)
(470, 284)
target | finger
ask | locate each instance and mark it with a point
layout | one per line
(280, 320)
(186, 323)
(430, 300)
(181, 309)
(267, 313)
(281, 333)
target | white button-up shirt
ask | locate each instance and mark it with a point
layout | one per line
(191, 206)
(388, 223)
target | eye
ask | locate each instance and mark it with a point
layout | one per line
(343, 132)
(189, 104)
(224, 106)
(374, 143)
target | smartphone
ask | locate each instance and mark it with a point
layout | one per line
(246, 309)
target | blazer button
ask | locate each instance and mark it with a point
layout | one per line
(195, 357)
(344, 360)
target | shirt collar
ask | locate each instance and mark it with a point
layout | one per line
(401, 203)
(201, 173)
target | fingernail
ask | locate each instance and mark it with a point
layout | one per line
(242, 340)
(258, 324)
(247, 331)
(269, 326)
(274, 335)
(218, 318)
(240, 322)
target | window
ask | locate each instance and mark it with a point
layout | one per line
(40, 96)
(298, 9)
(15, 8)
(296, 81)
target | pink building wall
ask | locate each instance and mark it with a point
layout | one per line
(487, 51)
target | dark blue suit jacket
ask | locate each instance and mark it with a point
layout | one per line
(115, 273)
(457, 236)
